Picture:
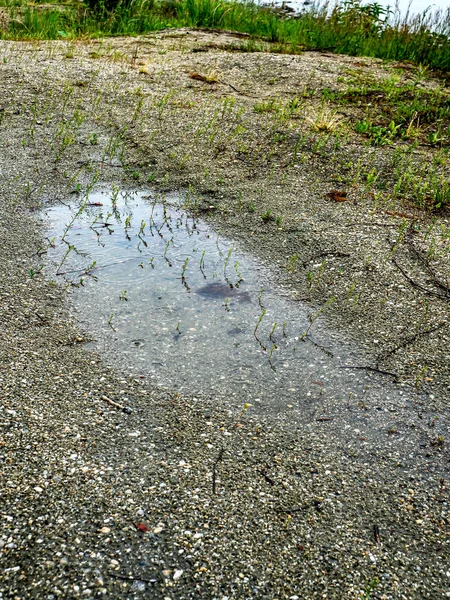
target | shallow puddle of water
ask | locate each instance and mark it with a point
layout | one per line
(167, 297)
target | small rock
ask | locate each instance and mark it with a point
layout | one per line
(138, 585)
(105, 530)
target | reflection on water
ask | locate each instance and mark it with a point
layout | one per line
(166, 297)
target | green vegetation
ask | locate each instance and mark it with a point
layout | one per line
(348, 27)
(400, 107)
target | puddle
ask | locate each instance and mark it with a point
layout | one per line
(168, 298)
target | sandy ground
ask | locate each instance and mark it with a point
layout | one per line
(183, 497)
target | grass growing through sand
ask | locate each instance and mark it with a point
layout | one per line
(348, 28)
(379, 134)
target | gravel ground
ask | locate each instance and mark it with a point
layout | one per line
(183, 497)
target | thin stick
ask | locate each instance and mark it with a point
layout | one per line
(369, 368)
(317, 345)
(437, 282)
(112, 403)
(214, 471)
(409, 340)
(417, 285)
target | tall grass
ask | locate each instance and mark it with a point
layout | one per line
(347, 27)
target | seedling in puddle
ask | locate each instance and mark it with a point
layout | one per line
(272, 331)
(63, 260)
(123, 296)
(238, 273)
(226, 304)
(202, 263)
(88, 270)
(177, 328)
(225, 265)
(165, 252)
(261, 317)
(202, 259)
(260, 298)
(114, 196)
(227, 259)
(183, 269)
(74, 218)
(110, 321)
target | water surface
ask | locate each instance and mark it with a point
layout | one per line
(168, 298)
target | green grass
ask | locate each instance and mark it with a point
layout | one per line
(402, 106)
(345, 28)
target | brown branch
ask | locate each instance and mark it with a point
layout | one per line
(369, 368)
(437, 282)
(418, 285)
(319, 346)
(121, 407)
(409, 341)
